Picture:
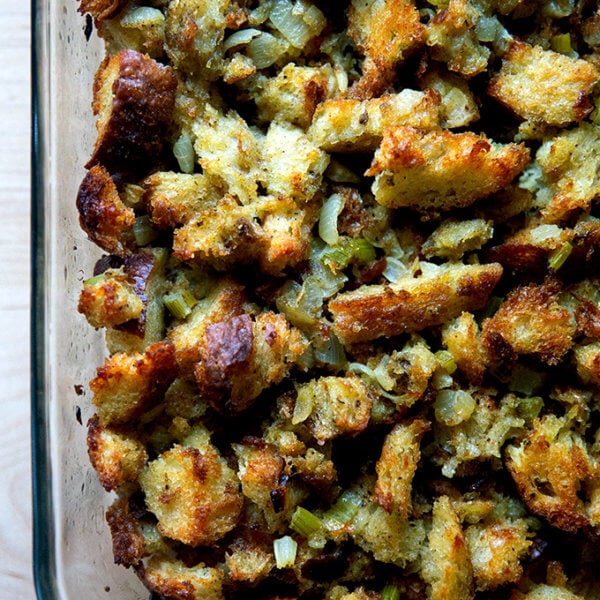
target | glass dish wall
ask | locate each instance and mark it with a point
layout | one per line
(72, 548)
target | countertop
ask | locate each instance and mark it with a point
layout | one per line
(16, 581)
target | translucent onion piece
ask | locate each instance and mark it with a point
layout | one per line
(144, 16)
(266, 50)
(330, 211)
(240, 38)
(285, 550)
(183, 150)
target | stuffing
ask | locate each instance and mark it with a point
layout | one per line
(295, 93)
(412, 304)
(463, 339)
(129, 545)
(453, 238)
(569, 167)
(173, 198)
(192, 492)
(397, 464)
(333, 406)
(293, 165)
(173, 579)
(452, 37)
(351, 125)
(128, 385)
(227, 149)
(134, 98)
(117, 457)
(446, 562)
(530, 321)
(248, 562)
(496, 551)
(552, 469)
(241, 357)
(543, 85)
(110, 300)
(102, 214)
(440, 170)
(587, 361)
(385, 31)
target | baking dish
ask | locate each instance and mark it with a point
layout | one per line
(72, 548)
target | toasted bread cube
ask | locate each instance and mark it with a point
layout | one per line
(100, 9)
(385, 31)
(134, 98)
(570, 165)
(230, 151)
(447, 565)
(271, 231)
(129, 545)
(397, 465)
(241, 357)
(193, 493)
(293, 165)
(543, 85)
(173, 199)
(116, 457)
(587, 361)
(496, 550)
(530, 321)
(452, 37)
(128, 385)
(373, 311)
(102, 214)
(223, 301)
(441, 170)
(551, 468)
(339, 406)
(173, 579)
(110, 301)
(547, 592)
(463, 339)
(294, 94)
(351, 125)
(248, 562)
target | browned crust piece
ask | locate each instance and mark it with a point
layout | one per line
(127, 385)
(530, 321)
(440, 170)
(134, 98)
(385, 31)
(374, 311)
(127, 541)
(543, 85)
(102, 214)
(100, 9)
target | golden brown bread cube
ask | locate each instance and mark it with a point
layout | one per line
(587, 362)
(116, 457)
(100, 9)
(126, 386)
(530, 321)
(248, 562)
(134, 98)
(333, 406)
(397, 465)
(193, 493)
(102, 214)
(241, 357)
(554, 473)
(385, 31)
(543, 85)
(373, 311)
(447, 565)
(350, 125)
(440, 170)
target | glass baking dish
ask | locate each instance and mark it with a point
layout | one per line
(72, 547)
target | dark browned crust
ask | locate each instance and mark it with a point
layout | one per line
(100, 9)
(375, 311)
(226, 350)
(127, 541)
(134, 100)
(102, 214)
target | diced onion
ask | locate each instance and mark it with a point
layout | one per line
(377, 375)
(143, 232)
(452, 407)
(486, 29)
(183, 150)
(303, 406)
(285, 550)
(266, 50)
(240, 38)
(144, 16)
(330, 211)
(446, 361)
(298, 23)
(394, 270)
(332, 354)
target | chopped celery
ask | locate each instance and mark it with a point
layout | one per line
(305, 523)
(559, 256)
